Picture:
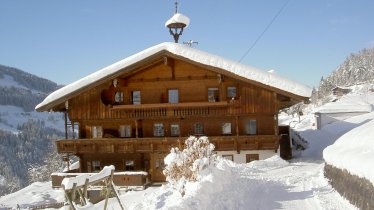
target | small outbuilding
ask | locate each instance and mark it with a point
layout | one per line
(342, 109)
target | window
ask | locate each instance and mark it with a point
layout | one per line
(97, 132)
(231, 92)
(158, 129)
(159, 163)
(118, 97)
(173, 96)
(228, 157)
(96, 165)
(174, 130)
(226, 128)
(129, 165)
(136, 98)
(213, 94)
(250, 127)
(125, 131)
(198, 128)
(251, 157)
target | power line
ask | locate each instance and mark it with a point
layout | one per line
(264, 31)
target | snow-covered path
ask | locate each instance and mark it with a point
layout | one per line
(298, 185)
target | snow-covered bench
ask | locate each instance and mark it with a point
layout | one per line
(78, 185)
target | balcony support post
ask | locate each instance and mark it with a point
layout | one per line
(237, 134)
(66, 124)
(136, 129)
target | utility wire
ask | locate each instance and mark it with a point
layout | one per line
(264, 31)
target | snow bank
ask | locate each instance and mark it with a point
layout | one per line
(266, 78)
(38, 193)
(354, 151)
(224, 186)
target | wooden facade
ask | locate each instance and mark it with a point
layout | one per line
(132, 118)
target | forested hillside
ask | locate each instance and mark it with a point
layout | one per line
(356, 69)
(26, 136)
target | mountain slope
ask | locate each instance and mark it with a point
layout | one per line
(26, 136)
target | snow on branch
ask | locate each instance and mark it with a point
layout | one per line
(185, 165)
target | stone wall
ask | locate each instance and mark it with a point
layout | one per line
(359, 191)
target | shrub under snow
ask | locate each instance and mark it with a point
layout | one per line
(185, 165)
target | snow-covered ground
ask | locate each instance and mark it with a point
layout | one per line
(37, 193)
(266, 184)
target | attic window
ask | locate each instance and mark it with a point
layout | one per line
(136, 98)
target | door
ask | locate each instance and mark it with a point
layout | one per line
(157, 166)
(173, 96)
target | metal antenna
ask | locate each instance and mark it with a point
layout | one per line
(176, 6)
(190, 43)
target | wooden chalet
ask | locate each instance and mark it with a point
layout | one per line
(131, 113)
(340, 91)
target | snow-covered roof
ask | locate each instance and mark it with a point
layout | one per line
(341, 87)
(178, 18)
(347, 104)
(198, 56)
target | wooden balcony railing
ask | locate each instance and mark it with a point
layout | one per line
(148, 145)
(177, 110)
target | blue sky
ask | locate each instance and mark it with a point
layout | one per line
(69, 39)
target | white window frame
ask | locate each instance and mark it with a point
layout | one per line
(97, 132)
(226, 128)
(125, 131)
(251, 127)
(173, 96)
